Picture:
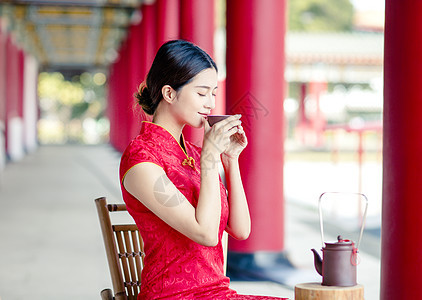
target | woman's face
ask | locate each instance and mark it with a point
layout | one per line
(195, 100)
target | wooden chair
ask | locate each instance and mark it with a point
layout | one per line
(125, 253)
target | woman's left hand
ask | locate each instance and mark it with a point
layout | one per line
(238, 142)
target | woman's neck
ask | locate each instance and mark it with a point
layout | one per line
(170, 125)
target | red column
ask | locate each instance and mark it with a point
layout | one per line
(126, 73)
(110, 103)
(141, 52)
(302, 122)
(136, 76)
(21, 67)
(2, 79)
(256, 89)
(12, 87)
(144, 48)
(125, 96)
(197, 25)
(2, 96)
(302, 112)
(167, 21)
(118, 107)
(316, 88)
(148, 37)
(220, 99)
(401, 259)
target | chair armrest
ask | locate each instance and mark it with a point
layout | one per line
(106, 294)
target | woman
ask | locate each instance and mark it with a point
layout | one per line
(172, 188)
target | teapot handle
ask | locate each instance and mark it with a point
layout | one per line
(363, 218)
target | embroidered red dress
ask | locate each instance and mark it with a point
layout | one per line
(175, 266)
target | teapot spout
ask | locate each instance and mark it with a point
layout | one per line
(317, 262)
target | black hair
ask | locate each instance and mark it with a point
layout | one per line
(175, 64)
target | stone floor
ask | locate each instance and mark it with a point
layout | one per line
(51, 244)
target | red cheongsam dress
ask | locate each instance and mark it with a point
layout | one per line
(175, 266)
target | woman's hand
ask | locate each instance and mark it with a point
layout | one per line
(225, 137)
(238, 142)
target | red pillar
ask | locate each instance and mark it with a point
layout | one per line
(148, 37)
(125, 96)
(401, 259)
(127, 72)
(256, 89)
(197, 25)
(2, 80)
(167, 21)
(136, 72)
(142, 48)
(220, 99)
(146, 44)
(21, 67)
(135, 78)
(302, 112)
(316, 88)
(302, 121)
(113, 107)
(118, 109)
(110, 112)
(2, 96)
(12, 92)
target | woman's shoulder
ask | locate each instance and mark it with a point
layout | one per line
(137, 144)
(140, 150)
(143, 142)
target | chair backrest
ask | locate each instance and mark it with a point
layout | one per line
(124, 249)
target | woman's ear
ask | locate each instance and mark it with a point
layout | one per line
(169, 94)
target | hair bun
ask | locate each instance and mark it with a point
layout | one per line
(144, 99)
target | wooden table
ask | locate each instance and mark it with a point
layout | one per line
(316, 291)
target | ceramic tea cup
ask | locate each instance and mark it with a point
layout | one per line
(212, 119)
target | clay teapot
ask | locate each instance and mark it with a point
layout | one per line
(340, 259)
(338, 266)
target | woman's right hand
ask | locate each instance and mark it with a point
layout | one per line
(217, 137)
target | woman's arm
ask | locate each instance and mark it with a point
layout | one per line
(200, 224)
(239, 222)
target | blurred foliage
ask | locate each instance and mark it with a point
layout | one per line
(79, 109)
(72, 110)
(320, 15)
(53, 87)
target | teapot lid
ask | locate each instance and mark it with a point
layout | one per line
(340, 243)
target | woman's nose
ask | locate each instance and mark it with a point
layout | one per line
(210, 104)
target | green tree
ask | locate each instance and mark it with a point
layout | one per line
(320, 15)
